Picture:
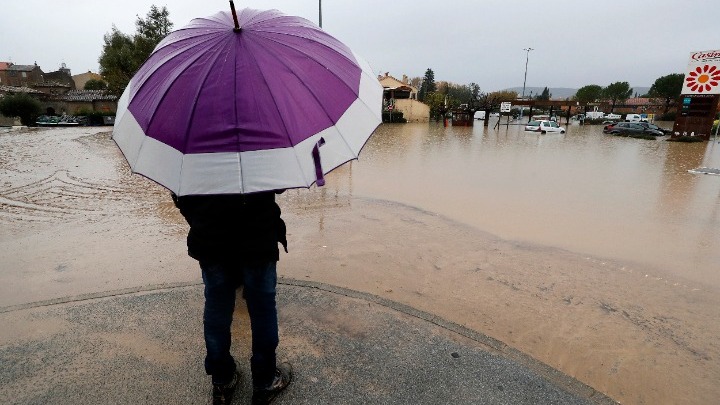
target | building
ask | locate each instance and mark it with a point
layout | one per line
(82, 79)
(56, 90)
(399, 95)
(641, 105)
(52, 88)
(61, 76)
(89, 100)
(20, 75)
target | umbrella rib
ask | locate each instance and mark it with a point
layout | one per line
(169, 84)
(201, 85)
(282, 120)
(239, 155)
(310, 90)
(309, 56)
(342, 136)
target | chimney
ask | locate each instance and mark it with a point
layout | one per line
(405, 79)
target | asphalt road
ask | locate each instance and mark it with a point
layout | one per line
(145, 346)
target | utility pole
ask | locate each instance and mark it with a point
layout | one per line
(527, 57)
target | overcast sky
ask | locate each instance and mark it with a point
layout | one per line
(576, 42)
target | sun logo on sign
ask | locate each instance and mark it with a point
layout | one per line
(703, 78)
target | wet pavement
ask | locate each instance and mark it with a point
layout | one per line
(347, 347)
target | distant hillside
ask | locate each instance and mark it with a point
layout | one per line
(566, 92)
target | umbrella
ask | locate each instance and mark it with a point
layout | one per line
(246, 102)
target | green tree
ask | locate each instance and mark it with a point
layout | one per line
(545, 95)
(474, 95)
(151, 30)
(459, 94)
(123, 54)
(617, 92)
(667, 88)
(436, 102)
(94, 84)
(428, 85)
(20, 105)
(493, 99)
(416, 82)
(589, 94)
(117, 61)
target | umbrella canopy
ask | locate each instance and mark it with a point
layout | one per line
(275, 104)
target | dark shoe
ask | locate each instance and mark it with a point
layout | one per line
(283, 376)
(223, 393)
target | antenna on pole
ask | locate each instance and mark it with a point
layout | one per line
(234, 14)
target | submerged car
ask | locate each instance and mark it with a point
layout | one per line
(544, 126)
(655, 127)
(632, 128)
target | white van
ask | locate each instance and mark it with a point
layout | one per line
(634, 118)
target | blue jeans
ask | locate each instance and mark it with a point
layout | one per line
(222, 279)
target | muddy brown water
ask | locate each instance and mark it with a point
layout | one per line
(594, 254)
(582, 191)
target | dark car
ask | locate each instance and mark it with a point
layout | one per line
(608, 125)
(632, 128)
(665, 131)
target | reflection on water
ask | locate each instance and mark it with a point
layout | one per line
(583, 191)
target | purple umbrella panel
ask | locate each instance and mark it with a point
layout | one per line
(275, 106)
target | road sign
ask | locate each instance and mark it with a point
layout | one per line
(505, 106)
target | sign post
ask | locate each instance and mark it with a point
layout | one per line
(700, 95)
(505, 107)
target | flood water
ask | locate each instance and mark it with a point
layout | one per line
(611, 197)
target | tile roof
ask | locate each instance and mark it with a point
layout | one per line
(642, 101)
(51, 84)
(13, 89)
(88, 95)
(22, 68)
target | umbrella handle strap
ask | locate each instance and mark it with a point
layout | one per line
(318, 165)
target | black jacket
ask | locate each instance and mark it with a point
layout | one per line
(244, 227)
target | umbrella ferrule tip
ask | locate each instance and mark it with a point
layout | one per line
(237, 29)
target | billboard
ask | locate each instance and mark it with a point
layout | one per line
(703, 73)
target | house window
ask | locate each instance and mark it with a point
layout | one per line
(24, 74)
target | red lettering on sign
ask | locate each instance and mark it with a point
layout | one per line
(705, 55)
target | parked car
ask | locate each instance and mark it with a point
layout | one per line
(608, 124)
(631, 128)
(653, 126)
(612, 116)
(544, 126)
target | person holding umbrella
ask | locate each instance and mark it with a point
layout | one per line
(226, 111)
(235, 238)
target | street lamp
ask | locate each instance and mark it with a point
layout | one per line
(527, 57)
